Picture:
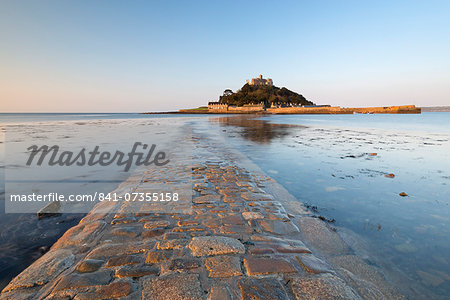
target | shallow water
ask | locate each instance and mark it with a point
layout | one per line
(24, 238)
(325, 161)
(336, 165)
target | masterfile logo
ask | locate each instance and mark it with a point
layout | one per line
(94, 157)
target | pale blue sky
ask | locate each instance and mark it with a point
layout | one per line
(133, 56)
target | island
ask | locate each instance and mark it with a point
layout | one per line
(261, 96)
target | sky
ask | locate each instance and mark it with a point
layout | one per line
(135, 56)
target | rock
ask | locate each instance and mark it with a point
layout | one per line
(75, 280)
(280, 245)
(108, 250)
(219, 292)
(312, 264)
(27, 294)
(223, 266)
(125, 220)
(125, 231)
(278, 216)
(319, 236)
(249, 215)
(171, 244)
(157, 256)
(324, 286)
(172, 287)
(90, 265)
(153, 232)
(136, 271)
(116, 289)
(43, 270)
(265, 288)
(256, 196)
(50, 210)
(403, 194)
(275, 239)
(211, 223)
(258, 250)
(83, 233)
(198, 167)
(292, 249)
(188, 229)
(232, 219)
(215, 245)
(278, 227)
(122, 260)
(188, 223)
(207, 199)
(389, 175)
(263, 266)
(177, 264)
(156, 224)
(234, 229)
(174, 235)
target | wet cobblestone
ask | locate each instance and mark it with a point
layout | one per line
(236, 242)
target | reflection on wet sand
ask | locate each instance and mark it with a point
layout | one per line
(255, 130)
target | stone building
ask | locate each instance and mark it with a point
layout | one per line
(217, 105)
(260, 81)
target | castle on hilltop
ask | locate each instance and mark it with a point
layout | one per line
(260, 81)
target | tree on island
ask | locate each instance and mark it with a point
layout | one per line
(227, 92)
(267, 94)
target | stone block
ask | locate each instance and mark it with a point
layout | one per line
(223, 266)
(172, 287)
(324, 286)
(215, 245)
(126, 231)
(249, 215)
(312, 264)
(136, 271)
(154, 257)
(264, 288)
(122, 260)
(76, 280)
(320, 237)
(182, 264)
(219, 292)
(116, 289)
(278, 227)
(263, 266)
(90, 265)
(171, 244)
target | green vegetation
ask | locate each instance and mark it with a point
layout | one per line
(199, 108)
(255, 94)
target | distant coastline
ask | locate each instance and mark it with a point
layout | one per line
(436, 109)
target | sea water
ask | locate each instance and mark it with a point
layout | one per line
(351, 169)
(335, 164)
(23, 237)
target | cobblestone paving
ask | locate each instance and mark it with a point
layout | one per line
(237, 242)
